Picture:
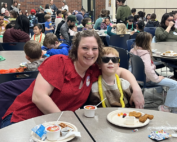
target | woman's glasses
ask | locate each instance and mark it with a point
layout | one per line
(113, 59)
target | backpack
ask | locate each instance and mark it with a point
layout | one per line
(32, 20)
(57, 33)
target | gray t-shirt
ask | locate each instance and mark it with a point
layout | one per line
(64, 31)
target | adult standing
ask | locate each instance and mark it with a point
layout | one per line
(123, 11)
(69, 85)
(166, 32)
(4, 8)
(64, 6)
(69, 24)
(79, 16)
(53, 7)
(20, 33)
(33, 20)
(14, 7)
(84, 14)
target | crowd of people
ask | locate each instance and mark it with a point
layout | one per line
(82, 70)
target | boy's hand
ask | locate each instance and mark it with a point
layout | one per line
(132, 32)
(43, 52)
(138, 99)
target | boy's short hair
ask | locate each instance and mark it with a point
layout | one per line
(110, 50)
(133, 10)
(153, 16)
(32, 49)
(85, 21)
(50, 39)
(59, 12)
(47, 16)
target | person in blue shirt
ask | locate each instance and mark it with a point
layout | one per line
(79, 16)
(84, 14)
(52, 46)
(48, 24)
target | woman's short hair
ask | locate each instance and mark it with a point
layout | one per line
(103, 13)
(76, 41)
(22, 23)
(14, 13)
(163, 20)
(85, 21)
(47, 6)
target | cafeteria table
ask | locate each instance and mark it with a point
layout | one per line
(13, 59)
(20, 132)
(103, 131)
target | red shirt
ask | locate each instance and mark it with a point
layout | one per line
(59, 71)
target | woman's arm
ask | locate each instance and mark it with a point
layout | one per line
(137, 96)
(109, 30)
(41, 96)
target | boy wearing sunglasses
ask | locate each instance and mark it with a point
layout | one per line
(117, 91)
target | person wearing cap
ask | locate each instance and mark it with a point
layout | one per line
(64, 6)
(123, 11)
(130, 25)
(33, 20)
(69, 24)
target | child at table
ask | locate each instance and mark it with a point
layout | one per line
(52, 46)
(143, 49)
(109, 85)
(48, 24)
(33, 53)
(120, 29)
(106, 22)
(38, 35)
(87, 24)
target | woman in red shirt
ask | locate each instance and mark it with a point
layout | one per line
(64, 82)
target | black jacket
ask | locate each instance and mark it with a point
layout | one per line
(152, 24)
(57, 33)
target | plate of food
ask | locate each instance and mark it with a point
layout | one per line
(169, 53)
(129, 118)
(62, 125)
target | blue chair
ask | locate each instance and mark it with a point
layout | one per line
(130, 44)
(150, 30)
(138, 70)
(119, 40)
(17, 76)
(123, 57)
(13, 46)
(133, 36)
(79, 29)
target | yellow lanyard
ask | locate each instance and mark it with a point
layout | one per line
(100, 89)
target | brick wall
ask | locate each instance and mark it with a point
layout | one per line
(34, 4)
(99, 5)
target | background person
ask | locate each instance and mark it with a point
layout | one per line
(14, 7)
(64, 6)
(166, 32)
(53, 7)
(20, 33)
(4, 8)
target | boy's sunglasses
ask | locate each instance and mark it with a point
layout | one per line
(113, 59)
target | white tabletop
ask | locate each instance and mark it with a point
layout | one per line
(20, 132)
(103, 131)
(13, 59)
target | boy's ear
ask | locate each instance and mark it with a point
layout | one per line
(27, 57)
(56, 42)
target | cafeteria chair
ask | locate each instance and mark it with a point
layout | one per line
(130, 44)
(138, 70)
(13, 46)
(119, 40)
(17, 76)
(150, 30)
(79, 29)
(133, 36)
(9, 91)
(123, 57)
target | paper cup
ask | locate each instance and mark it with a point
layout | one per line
(89, 111)
(52, 133)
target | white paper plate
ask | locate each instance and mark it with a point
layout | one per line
(113, 118)
(170, 55)
(55, 122)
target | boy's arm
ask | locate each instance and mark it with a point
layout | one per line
(63, 51)
(137, 96)
(48, 29)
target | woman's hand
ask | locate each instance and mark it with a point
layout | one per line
(171, 23)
